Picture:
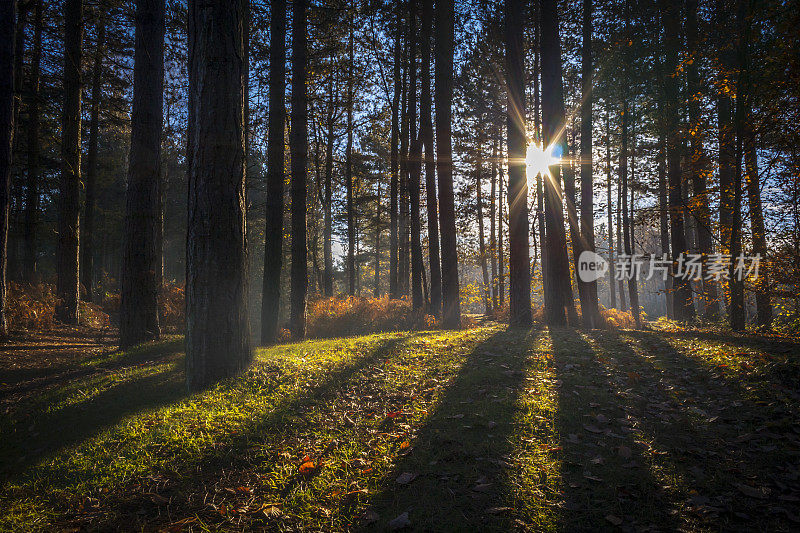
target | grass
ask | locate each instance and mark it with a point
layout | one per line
(486, 429)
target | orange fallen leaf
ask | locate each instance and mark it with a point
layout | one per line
(307, 468)
(405, 445)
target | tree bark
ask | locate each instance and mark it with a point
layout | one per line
(217, 329)
(394, 159)
(327, 232)
(67, 287)
(519, 281)
(683, 307)
(414, 165)
(443, 96)
(298, 145)
(7, 23)
(139, 282)
(87, 239)
(493, 225)
(376, 291)
(611, 260)
(698, 162)
(273, 232)
(762, 290)
(426, 131)
(32, 181)
(487, 301)
(501, 253)
(589, 307)
(348, 171)
(558, 296)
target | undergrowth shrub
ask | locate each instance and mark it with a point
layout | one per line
(172, 307)
(31, 306)
(341, 317)
(616, 319)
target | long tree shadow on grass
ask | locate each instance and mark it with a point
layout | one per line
(190, 479)
(716, 450)
(460, 457)
(83, 405)
(605, 478)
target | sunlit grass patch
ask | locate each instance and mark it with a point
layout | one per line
(326, 401)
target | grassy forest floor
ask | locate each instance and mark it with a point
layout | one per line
(486, 429)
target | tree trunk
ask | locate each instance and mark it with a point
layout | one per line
(298, 145)
(519, 281)
(726, 137)
(7, 22)
(394, 158)
(69, 191)
(404, 245)
(623, 302)
(426, 131)
(32, 182)
(501, 253)
(348, 171)
(217, 329)
(683, 307)
(611, 260)
(414, 165)
(376, 291)
(763, 305)
(493, 225)
(87, 240)
(633, 290)
(487, 301)
(698, 162)
(558, 296)
(443, 96)
(590, 305)
(273, 232)
(138, 320)
(327, 232)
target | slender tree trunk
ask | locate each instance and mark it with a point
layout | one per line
(493, 225)
(217, 328)
(558, 297)
(520, 281)
(621, 203)
(633, 290)
(698, 162)
(298, 145)
(348, 171)
(394, 159)
(376, 291)
(87, 240)
(663, 209)
(501, 253)
(69, 191)
(763, 305)
(327, 237)
(611, 259)
(414, 165)
(138, 283)
(682, 293)
(7, 23)
(443, 96)
(426, 131)
(403, 255)
(487, 302)
(273, 232)
(32, 182)
(590, 305)
(726, 135)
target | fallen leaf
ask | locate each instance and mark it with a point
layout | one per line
(401, 522)
(592, 428)
(624, 452)
(482, 487)
(761, 493)
(405, 478)
(614, 519)
(497, 510)
(307, 468)
(370, 516)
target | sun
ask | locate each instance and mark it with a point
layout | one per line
(539, 160)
